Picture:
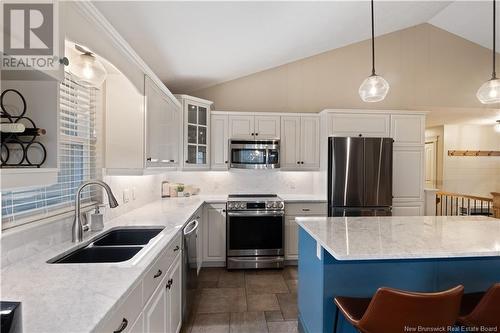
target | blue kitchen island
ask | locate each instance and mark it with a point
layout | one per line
(354, 256)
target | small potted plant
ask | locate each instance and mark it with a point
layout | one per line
(180, 190)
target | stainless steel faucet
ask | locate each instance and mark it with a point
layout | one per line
(78, 226)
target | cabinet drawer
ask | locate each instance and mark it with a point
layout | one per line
(127, 312)
(305, 208)
(157, 272)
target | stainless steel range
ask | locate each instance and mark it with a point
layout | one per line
(255, 231)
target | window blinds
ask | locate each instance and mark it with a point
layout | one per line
(78, 159)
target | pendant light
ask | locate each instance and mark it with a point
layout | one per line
(88, 68)
(489, 93)
(374, 88)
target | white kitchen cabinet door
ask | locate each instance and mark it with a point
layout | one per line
(267, 127)
(219, 141)
(174, 297)
(241, 126)
(124, 124)
(309, 142)
(408, 129)
(162, 127)
(290, 142)
(408, 174)
(291, 238)
(214, 233)
(138, 326)
(356, 124)
(155, 312)
(408, 209)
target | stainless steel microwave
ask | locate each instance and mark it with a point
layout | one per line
(254, 154)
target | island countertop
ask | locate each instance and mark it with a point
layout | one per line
(402, 237)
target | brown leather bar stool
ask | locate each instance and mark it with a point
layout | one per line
(487, 311)
(391, 310)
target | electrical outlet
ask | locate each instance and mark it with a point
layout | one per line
(126, 195)
(134, 189)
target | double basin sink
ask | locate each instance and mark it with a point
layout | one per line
(115, 245)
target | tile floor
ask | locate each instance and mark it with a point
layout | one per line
(262, 301)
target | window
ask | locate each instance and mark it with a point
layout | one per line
(78, 159)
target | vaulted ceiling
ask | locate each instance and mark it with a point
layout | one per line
(192, 45)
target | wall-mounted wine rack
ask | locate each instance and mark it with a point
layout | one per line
(19, 147)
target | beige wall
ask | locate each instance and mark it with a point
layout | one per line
(471, 175)
(426, 67)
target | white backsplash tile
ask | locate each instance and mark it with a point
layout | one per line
(27, 240)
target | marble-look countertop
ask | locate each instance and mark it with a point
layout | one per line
(401, 237)
(80, 297)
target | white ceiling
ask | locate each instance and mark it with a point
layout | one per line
(191, 45)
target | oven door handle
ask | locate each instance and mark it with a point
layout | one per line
(256, 213)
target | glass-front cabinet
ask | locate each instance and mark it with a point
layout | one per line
(197, 132)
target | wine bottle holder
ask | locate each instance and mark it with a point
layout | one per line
(20, 150)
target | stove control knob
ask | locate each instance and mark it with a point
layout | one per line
(280, 205)
(242, 205)
(230, 205)
(269, 205)
(275, 204)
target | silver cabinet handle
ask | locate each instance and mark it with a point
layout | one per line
(306, 210)
(169, 283)
(122, 326)
(176, 248)
(159, 273)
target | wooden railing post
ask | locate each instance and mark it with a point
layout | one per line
(496, 204)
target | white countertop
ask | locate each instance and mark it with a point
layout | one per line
(419, 237)
(78, 297)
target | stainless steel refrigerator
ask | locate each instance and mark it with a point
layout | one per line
(359, 176)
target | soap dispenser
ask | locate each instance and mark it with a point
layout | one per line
(97, 219)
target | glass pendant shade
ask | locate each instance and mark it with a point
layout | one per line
(373, 89)
(489, 93)
(89, 69)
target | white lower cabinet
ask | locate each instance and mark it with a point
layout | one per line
(138, 326)
(155, 312)
(214, 233)
(163, 312)
(408, 209)
(161, 291)
(293, 210)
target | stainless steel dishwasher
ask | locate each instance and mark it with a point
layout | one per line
(191, 265)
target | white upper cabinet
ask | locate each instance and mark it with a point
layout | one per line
(142, 131)
(408, 129)
(309, 141)
(219, 141)
(359, 124)
(162, 127)
(254, 126)
(267, 127)
(241, 126)
(290, 142)
(300, 146)
(196, 132)
(124, 126)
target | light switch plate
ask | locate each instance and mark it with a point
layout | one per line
(126, 195)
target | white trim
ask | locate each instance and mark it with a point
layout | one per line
(193, 99)
(95, 17)
(365, 111)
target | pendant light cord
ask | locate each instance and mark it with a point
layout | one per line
(494, 74)
(373, 41)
